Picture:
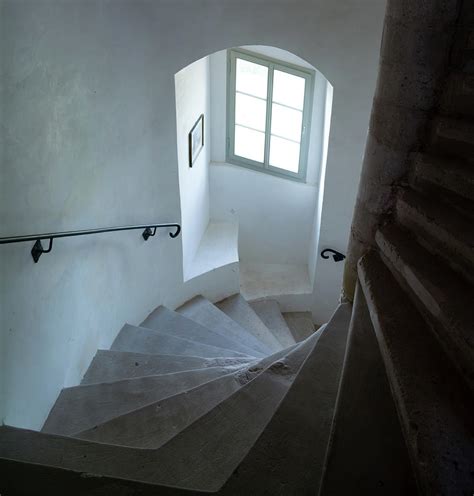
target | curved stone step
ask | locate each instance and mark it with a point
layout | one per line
(156, 423)
(453, 137)
(288, 457)
(194, 460)
(451, 237)
(451, 174)
(82, 407)
(166, 320)
(434, 403)
(110, 366)
(269, 313)
(438, 291)
(458, 94)
(237, 308)
(205, 313)
(301, 324)
(202, 456)
(366, 421)
(141, 340)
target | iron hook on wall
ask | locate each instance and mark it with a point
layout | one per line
(337, 256)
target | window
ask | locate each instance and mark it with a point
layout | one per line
(269, 106)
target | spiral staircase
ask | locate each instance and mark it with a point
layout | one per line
(203, 399)
(235, 398)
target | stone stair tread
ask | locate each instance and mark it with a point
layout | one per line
(203, 456)
(82, 407)
(238, 421)
(452, 237)
(434, 404)
(238, 309)
(141, 340)
(205, 313)
(300, 324)
(166, 320)
(438, 290)
(270, 314)
(450, 174)
(458, 95)
(297, 435)
(110, 366)
(453, 136)
(365, 416)
(156, 423)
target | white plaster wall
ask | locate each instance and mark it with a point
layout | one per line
(192, 100)
(274, 215)
(89, 132)
(3, 331)
(314, 246)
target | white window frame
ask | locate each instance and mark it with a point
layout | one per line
(272, 64)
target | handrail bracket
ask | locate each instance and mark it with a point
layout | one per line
(38, 249)
(148, 232)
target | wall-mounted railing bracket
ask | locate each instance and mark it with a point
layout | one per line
(38, 249)
(148, 232)
(337, 256)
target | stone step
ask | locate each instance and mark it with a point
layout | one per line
(301, 324)
(439, 292)
(205, 313)
(158, 422)
(287, 459)
(269, 313)
(434, 404)
(453, 137)
(110, 366)
(458, 94)
(33, 463)
(200, 458)
(166, 320)
(204, 455)
(141, 340)
(451, 237)
(453, 175)
(83, 407)
(462, 55)
(366, 417)
(237, 308)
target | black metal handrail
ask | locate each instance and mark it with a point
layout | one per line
(38, 250)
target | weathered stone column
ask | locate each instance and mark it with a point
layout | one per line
(414, 56)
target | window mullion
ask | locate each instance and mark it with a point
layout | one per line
(268, 123)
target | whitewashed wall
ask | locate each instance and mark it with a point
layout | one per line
(89, 140)
(275, 215)
(192, 100)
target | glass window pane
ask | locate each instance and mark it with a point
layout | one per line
(250, 111)
(249, 144)
(286, 122)
(251, 78)
(288, 89)
(284, 154)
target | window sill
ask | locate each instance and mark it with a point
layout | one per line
(263, 170)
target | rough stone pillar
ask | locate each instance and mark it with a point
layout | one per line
(414, 56)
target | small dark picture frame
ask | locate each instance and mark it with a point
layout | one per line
(196, 140)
